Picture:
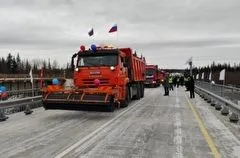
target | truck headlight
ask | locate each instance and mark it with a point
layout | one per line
(112, 68)
(77, 69)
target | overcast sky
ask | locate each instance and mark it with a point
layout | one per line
(166, 32)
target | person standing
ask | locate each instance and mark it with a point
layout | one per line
(178, 81)
(191, 85)
(170, 82)
(166, 87)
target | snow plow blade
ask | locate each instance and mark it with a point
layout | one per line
(79, 102)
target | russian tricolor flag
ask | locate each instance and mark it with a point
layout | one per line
(113, 29)
(90, 32)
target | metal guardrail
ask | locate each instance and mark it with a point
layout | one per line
(24, 104)
(227, 102)
(26, 76)
(16, 102)
(220, 102)
(227, 92)
(17, 75)
(24, 93)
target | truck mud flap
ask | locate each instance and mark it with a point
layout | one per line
(79, 102)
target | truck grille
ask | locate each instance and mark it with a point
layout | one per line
(149, 80)
(90, 82)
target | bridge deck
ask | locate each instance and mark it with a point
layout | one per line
(156, 126)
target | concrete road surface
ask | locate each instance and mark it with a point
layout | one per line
(156, 126)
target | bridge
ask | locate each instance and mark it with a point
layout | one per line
(155, 126)
(102, 49)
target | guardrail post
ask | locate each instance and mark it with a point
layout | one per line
(234, 117)
(201, 94)
(205, 97)
(225, 111)
(209, 99)
(3, 117)
(28, 110)
(218, 106)
(213, 102)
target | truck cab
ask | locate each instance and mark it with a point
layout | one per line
(106, 67)
(152, 79)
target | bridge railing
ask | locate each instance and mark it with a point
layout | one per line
(224, 98)
(17, 105)
(24, 93)
(227, 92)
(17, 75)
(58, 75)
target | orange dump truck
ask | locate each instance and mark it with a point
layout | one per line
(104, 78)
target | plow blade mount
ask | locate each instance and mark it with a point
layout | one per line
(79, 101)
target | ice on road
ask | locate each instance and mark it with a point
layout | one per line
(155, 126)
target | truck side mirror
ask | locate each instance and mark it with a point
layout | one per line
(72, 62)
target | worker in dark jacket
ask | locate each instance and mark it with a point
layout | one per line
(166, 86)
(191, 87)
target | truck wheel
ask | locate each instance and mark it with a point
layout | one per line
(140, 86)
(142, 90)
(127, 98)
(111, 106)
(138, 95)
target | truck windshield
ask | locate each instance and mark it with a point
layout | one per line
(150, 72)
(98, 60)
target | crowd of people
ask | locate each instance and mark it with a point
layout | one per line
(172, 81)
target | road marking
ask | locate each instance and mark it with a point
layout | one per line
(178, 129)
(204, 131)
(94, 133)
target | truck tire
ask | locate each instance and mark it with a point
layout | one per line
(111, 106)
(142, 90)
(127, 98)
(138, 95)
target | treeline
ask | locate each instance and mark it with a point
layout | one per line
(232, 73)
(16, 65)
(217, 68)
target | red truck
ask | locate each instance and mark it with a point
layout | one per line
(103, 78)
(152, 78)
(162, 76)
